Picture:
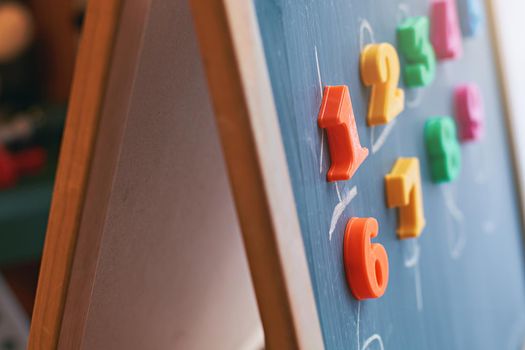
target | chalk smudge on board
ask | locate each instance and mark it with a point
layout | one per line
(358, 322)
(374, 338)
(318, 72)
(481, 163)
(377, 144)
(403, 12)
(457, 238)
(412, 261)
(338, 192)
(340, 208)
(365, 29)
(369, 341)
(321, 153)
(414, 97)
(489, 227)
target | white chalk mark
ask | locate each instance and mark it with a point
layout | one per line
(419, 291)
(451, 205)
(318, 72)
(412, 261)
(338, 192)
(365, 29)
(480, 178)
(377, 144)
(414, 97)
(403, 12)
(358, 322)
(321, 152)
(375, 337)
(457, 245)
(339, 209)
(457, 238)
(480, 161)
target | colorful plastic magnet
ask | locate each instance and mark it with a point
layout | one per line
(469, 112)
(443, 149)
(470, 16)
(445, 32)
(366, 263)
(403, 191)
(337, 117)
(413, 36)
(380, 69)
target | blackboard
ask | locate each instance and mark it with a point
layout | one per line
(460, 285)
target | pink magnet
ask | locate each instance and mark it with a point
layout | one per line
(469, 112)
(445, 32)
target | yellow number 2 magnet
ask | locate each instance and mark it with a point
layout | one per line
(380, 69)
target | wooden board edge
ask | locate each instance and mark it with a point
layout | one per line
(247, 120)
(118, 96)
(73, 170)
(507, 110)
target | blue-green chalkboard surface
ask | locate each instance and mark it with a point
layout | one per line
(460, 285)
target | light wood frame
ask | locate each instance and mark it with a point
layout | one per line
(248, 125)
(258, 172)
(87, 93)
(510, 115)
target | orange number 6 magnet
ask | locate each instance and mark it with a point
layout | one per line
(366, 263)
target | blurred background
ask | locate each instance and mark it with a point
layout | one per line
(38, 42)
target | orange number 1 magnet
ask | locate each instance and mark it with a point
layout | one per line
(366, 263)
(337, 117)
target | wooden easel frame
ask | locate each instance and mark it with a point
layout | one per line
(76, 153)
(240, 87)
(252, 143)
(510, 115)
(257, 169)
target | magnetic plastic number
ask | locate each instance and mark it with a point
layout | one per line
(403, 191)
(414, 44)
(470, 16)
(337, 117)
(380, 69)
(469, 112)
(443, 149)
(445, 32)
(366, 263)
